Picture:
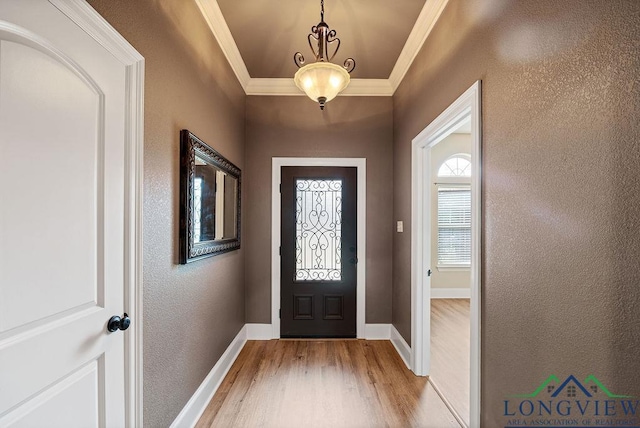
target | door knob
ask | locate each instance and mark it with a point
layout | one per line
(116, 323)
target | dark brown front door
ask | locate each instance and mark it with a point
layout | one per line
(318, 252)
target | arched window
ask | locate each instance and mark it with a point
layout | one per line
(454, 213)
(456, 166)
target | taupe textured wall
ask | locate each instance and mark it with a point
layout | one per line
(191, 312)
(561, 187)
(295, 127)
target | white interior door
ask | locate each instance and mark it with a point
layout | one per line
(62, 211)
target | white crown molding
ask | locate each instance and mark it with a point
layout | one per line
(218, 26)
(369, 88)
(430, 13)
(358, 87)
(280, 86)
(285, 86)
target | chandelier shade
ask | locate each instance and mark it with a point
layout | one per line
(322, 80)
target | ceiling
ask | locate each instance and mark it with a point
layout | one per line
(259, 38)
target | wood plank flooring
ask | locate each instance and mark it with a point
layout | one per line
(324, 383)
(450, 345)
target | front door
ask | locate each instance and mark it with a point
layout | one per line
(62, 212)
(318, 252)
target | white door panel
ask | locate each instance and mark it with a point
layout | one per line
(34, 129)
(62, 210)
(41, 358)
(73, 402)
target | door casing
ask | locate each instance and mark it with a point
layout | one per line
(276, 164)
(468, 105)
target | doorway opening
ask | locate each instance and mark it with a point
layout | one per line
(276, 228)
(445, 252)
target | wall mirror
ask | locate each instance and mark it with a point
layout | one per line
(209, 201)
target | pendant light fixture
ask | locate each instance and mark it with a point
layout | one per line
(322, 80)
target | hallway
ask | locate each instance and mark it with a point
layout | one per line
(322, 383)
(559, 86)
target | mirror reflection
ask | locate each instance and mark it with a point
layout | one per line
(214, 203)
(210, 187)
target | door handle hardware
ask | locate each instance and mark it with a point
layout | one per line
(429, 272)
(116, 323)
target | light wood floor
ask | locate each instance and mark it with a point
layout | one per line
(324, 383)
(450, 344)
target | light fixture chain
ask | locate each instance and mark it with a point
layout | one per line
(322, 10)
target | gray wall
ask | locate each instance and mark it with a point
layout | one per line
(192, 312)
(561, 155)
(295, 127)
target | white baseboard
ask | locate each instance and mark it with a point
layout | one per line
(371, 331)
(450, 293)
(259, 331)
(401, 346)
(389, 332)
(194, 408)
(377, 331)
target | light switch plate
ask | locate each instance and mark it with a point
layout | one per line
(400, 226)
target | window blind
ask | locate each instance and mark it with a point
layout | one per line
(454, 226)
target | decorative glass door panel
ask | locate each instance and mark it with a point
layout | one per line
(318, 230)
(318, 252)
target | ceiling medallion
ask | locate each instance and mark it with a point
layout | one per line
(322, 80)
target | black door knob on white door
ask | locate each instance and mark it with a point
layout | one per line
(116, 323)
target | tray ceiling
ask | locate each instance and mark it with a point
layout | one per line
(259, 38)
